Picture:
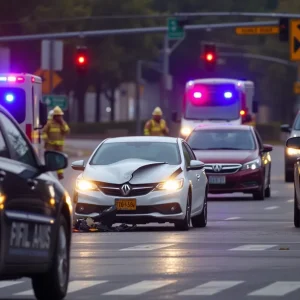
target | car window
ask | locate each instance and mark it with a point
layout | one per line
(22, 151)
(3, 147)
(186, 155)
(190, 151)
(222, 139)
(110, 153)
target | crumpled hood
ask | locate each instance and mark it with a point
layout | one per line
(135, 171)
(226, 156)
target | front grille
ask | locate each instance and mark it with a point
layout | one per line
(222, 168)
(135, 190)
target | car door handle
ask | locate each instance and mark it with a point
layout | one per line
(198, 176)
(2, 175)
(32, 183)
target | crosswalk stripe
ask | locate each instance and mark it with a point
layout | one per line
(210, 288)
(252, 247)
(141, 287)
(74, 286)
(279, 288)
(146, 247)
(4, 284)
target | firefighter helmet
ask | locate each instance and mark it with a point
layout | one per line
(157, 112)
(57, 111)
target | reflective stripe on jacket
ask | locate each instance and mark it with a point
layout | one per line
(156, 129)
(54, 133)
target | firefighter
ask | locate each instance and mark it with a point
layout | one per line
(156, 126)
(54, 133)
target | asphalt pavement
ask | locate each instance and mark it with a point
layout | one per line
(249, 250)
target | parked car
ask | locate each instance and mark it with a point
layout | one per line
(35, 214)
(291, 154)
(236, 160)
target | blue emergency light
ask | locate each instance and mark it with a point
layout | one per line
(9, 97)
(228, 95)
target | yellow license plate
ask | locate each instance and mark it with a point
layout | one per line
(126, 204)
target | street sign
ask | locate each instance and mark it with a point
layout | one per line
(46, 80)
(295, 40)
(297, 88)
(175, 32)
(57, 55)
(56, 100)
(257, 30)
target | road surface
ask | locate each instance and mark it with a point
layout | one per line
(249, 250)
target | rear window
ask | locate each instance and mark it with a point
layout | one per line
(14, 100)
(222, 140)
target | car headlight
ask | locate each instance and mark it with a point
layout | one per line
(84, 185)
(252, 165)
(170, 185)
(292, 152)
(185, 131)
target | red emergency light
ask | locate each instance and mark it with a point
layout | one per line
(81, 59)
(12, 78)
(209, 57)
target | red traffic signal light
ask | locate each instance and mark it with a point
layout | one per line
(81, 59)
(209, 56)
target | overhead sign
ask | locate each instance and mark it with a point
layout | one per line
(257, 30)
(297, 88)
(56, 56)
(56, 100)
(175, 32)
(46, 80)
(295, 40)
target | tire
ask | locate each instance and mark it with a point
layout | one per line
(54, 283)
(289, 176)
(184, 225)
(259, 195)
(268, 192)
(200, 221)
(296, 212)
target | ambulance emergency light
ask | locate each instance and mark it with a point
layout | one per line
(12, 78)
(9, 97)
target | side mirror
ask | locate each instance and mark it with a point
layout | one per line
(174, 116)
(267, 148)
(285, 128)
(78, 165)
(293, 142)
(55, 161)
(196, 165)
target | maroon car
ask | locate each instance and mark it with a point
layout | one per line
(236, 160)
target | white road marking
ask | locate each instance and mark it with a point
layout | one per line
(290, 201)
(74, 286)
(271, 207)
(4, 284)
(141, 287)
(232, 218)
(147, 247)
(279, 288)
(210, 288)
(252, 247)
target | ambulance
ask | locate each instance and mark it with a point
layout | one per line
(21, 95)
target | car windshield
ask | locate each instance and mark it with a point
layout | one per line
(110, 153)
(297, 123)
(215, 139)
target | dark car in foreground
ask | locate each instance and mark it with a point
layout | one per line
(291, 154)
(35, 214)
(235, 159)
(294, 143)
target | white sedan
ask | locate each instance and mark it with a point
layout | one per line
(147, 179)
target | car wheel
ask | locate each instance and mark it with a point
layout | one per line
(259, 195)
(296, 212)
(268, 192)
(289, 176)
(201, 220)
(184, 225)
(54, 283)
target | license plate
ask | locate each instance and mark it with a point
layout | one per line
(217, 180)
(126, 204)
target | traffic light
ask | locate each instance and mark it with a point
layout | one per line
(284, 29)
(210, 56)
(81, 59)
